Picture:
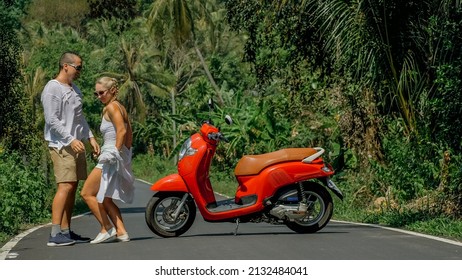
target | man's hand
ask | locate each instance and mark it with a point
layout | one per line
(77, 146)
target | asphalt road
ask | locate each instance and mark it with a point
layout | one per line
(215, 241)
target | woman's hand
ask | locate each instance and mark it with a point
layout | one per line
(96, 148)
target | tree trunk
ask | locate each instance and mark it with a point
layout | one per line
(209, 76)
(172, 96)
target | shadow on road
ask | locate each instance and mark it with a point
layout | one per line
(132, 210)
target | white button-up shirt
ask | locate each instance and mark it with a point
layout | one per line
(64, 119)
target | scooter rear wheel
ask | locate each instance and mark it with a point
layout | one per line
(159, 214)
(320, 209)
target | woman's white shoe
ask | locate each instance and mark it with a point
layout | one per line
(112, 232)
(101, 237)
(123, 238)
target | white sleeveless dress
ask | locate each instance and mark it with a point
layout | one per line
(117, 177)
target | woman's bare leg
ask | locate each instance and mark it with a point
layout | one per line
(115, 215)
(89, 192)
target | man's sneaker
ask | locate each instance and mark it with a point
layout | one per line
(74, 236)
(60, 240)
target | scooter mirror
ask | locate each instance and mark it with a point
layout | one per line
(228, 120)
(211, 105)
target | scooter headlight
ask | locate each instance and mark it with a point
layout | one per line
(186, 149)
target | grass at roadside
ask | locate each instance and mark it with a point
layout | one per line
(416, 221)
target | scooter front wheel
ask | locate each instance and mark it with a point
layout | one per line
(163, 218)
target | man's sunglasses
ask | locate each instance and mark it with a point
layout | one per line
(76, 67)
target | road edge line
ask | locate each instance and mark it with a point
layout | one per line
(13, 241)
(441, 239)
(5, 250)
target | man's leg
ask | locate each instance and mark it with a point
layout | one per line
(61, 204)
(59, 217)
(71, 189)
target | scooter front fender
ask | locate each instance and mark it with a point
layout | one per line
(170, 183)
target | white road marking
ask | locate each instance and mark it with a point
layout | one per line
(453, 242)
(5, 251)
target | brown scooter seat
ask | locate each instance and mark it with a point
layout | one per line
(253, 164)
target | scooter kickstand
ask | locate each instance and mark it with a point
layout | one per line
(237, 226)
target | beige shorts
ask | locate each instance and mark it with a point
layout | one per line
(68, 166)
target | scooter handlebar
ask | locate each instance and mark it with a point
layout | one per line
(223, 138)
(218, 137)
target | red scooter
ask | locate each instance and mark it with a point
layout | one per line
(278, 187)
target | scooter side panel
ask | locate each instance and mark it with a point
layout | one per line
(172, 182)
(194, 169)
(272, 178)
(264, 185)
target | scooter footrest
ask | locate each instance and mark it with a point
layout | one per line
(225, 205)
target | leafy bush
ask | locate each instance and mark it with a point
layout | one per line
(451, 187)
(25, 194)
(411, 168)
(444, 105)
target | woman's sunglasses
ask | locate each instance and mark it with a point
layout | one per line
(99, 93)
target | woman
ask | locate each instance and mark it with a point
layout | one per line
(112, 177)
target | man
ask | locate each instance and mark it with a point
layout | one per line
(65, 129)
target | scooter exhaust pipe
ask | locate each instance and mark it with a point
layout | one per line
(289, 212)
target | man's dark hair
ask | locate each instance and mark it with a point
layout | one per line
(68, 57)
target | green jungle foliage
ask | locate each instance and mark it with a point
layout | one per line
(376, 83)
(26, 194)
